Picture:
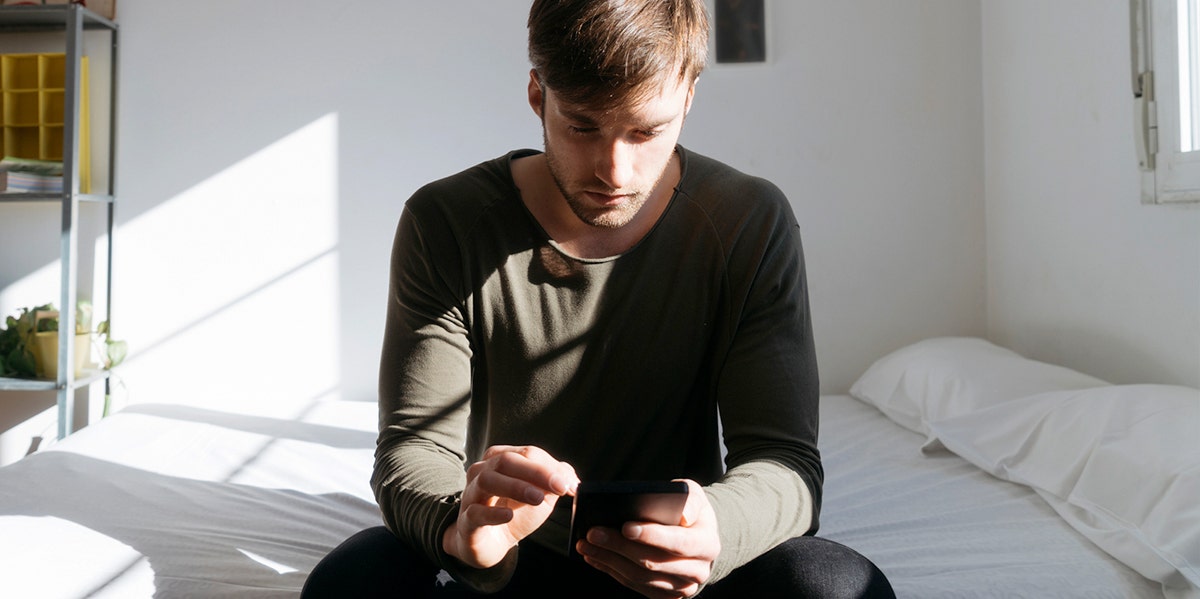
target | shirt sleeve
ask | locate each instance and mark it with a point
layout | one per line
(424, 399)
(768, 396)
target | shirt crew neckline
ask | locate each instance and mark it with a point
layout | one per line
(525, 152)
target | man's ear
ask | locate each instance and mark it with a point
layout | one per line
(537, 100)
(687, 104)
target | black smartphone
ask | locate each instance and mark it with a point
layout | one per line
(612, 504)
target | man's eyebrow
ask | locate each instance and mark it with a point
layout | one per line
(577, 116)
(662, 122)
(583, 118)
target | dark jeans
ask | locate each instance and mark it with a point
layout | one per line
(373, 563)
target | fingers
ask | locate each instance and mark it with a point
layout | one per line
(527, 475)
(487, 485)
(695, 537)
(536, 466)
(506, 498)
(660, 560)
(476, 515)
(692, 564)
(650, 572)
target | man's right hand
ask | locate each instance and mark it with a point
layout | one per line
(509, 494)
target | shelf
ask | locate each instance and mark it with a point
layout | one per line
(87, 378)
(49, 17)
(10, 384)
(19, 112)
(14, 197)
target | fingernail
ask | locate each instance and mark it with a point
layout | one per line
(598, 536)
(633, 531)
(564, 485)
(558, 484)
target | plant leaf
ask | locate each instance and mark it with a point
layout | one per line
(83, 317)
(116, 351)
(21, 363)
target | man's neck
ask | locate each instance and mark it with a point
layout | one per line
(545, 202)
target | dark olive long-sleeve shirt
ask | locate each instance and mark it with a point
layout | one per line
(619, 366)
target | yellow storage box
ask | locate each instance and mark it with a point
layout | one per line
(32, 110)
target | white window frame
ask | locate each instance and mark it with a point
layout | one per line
(1169, 175)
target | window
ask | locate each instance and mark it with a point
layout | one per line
(1166, 87)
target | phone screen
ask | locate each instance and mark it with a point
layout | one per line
(612, 504)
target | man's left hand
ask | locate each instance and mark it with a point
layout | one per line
(659, 560)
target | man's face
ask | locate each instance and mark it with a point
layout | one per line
(607, 163)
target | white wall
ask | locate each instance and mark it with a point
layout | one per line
(266, 150)
(1079, 271)
(869, 117)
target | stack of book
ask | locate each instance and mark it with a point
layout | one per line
(23, 175)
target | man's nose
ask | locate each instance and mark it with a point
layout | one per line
(614, 165)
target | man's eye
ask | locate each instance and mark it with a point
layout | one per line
(650, 133)
(581, 130)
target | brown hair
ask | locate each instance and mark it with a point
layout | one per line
(600, 53)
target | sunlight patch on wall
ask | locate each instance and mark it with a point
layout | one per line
(228, 292)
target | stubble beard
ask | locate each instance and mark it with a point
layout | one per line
(606, 218)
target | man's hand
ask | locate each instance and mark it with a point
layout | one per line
(509, 494)
(656, 560)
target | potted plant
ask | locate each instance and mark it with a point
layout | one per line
(29, 344)
(16, 353)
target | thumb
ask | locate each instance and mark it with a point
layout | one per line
(695, 504)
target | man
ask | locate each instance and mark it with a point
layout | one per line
(588, 313)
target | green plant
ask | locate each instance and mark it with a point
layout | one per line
(17, 358)
(16, 354)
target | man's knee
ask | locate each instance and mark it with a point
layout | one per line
(372, 563)
(807, 567)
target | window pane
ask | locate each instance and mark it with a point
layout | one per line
(1189, 75)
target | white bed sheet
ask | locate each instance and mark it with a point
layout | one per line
(174, 501)
(940, 527)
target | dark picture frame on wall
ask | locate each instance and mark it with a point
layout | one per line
(741, 31)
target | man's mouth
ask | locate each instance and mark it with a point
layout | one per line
(606, 199)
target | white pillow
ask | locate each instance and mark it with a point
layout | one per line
(944, 377)
(1121, 464)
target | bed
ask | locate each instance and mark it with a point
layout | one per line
(180, 501)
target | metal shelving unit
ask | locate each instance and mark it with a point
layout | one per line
(72, 20)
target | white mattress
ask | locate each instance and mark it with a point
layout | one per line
(173, 501)
(940, 527)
